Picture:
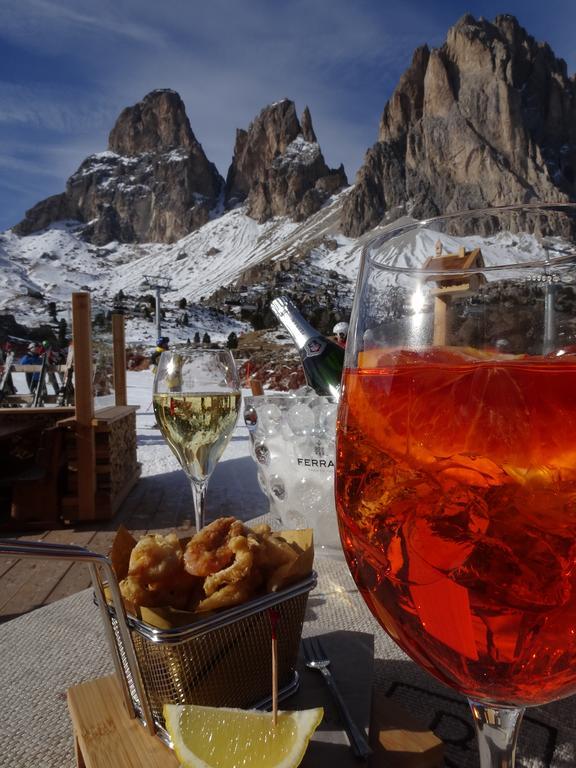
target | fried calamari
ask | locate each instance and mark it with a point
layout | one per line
(208, 551)
(156, 574)
(224, 564)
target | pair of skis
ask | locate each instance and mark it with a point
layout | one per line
(40, 392)
(6, 383)
(65, 393)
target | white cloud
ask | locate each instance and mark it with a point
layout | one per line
(26, 166)
(54, 108)
(28, 21)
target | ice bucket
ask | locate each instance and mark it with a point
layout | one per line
(292, 441)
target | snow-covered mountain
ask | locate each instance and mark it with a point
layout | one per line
(47, 266)
(226, 253)
(154, 205)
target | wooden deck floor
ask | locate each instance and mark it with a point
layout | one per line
(152, 506)
(160, 502)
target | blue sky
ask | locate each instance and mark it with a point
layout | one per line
(67, 68)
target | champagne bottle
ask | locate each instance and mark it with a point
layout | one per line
(322, 359)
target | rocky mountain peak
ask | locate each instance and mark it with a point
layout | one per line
(407, 101)
(153, 184)
(489, 118)
(307, 129)
(278, 167)
(156, 124)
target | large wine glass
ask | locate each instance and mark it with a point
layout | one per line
(456, 457)
(196, 401)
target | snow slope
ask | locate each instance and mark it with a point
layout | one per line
(51, 264)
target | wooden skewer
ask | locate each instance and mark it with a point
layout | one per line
(274, 616)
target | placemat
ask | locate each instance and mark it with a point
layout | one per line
(45, 652)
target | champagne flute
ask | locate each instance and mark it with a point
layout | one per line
(456, 467)
(196, 400)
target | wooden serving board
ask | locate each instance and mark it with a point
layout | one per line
(106, 737)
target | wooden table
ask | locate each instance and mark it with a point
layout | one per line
(47, 651)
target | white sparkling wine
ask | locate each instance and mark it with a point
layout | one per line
(197, 427)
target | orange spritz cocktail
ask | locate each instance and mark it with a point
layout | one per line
(456, 492)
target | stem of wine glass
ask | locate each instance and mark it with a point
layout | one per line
(497, 730)
(199, 488)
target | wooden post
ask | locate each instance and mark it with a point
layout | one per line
(119, 342)
(440, 320)
(452, 286)
(84, 399)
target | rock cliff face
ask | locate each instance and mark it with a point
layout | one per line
(278, 168)
(487, 119)
(153, 184)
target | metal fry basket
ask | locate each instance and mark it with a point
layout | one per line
(220, 660)
(224, 660)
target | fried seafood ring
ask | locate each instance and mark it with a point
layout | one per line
(138, 594)
(156, 560)
(182, 593)
(208, 551)
(261, 529)
(223, 565)
(231, 594)
(238, 571)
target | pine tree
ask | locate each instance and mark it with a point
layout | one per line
(118, 301)
(232, 342)
(206, 338)
(99, 320)
(197, 337)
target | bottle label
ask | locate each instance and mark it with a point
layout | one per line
(313, 347)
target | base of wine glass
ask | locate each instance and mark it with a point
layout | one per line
(497, 731)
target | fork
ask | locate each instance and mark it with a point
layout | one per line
(316, 658)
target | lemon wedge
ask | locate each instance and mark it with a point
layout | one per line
(219, 737)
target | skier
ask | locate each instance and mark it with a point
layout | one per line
(161, 346)
(6, 358)
(33, 356)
